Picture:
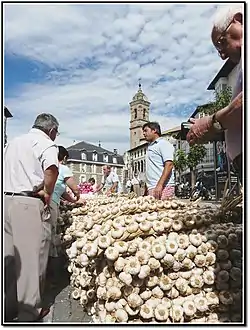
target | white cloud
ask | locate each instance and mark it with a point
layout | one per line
(96, 54)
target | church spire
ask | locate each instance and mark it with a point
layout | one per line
(139, 82)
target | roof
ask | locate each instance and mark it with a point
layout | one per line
(76, 150)
(224, 72)
(138, 147)
(7, 113)
(172, 130)
(140, 96)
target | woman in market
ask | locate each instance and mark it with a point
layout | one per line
(64, 182)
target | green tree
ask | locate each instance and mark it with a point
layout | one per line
(221, 100)
(193, 158)
(180, 161)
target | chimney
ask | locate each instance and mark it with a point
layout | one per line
(115, 151)
(99, 144)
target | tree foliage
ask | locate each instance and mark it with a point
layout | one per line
(180, 160)
(195, 155)
(221, 100)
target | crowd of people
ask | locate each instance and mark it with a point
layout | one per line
(37, 178)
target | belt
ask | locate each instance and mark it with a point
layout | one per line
(24, 194)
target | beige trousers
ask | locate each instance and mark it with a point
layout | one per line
(26, 246)
(137, 189)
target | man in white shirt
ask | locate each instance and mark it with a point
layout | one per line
(31, 170)
(110, 181)
(159, 163)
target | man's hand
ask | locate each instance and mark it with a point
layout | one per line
(46, 197)
(158, 191)
(200, 130)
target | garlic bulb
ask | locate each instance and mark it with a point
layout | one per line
(201, 303)
(132, 266)
(189, 308)
(125, 278)
(171, 246)
(144, 271)
(111, 253)
(183, 241)
(161, 312)
(176, 313)
(121, 246)
(158, 251)
(121, 315)
(134, 300)
(146, 312)
(119, 264)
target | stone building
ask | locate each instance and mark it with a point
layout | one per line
(224, 78)
(86, 161)
(7, 115)
(134, 158)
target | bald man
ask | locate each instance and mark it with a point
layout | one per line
(227, 37)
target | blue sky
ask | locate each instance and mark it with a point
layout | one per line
(82, 64)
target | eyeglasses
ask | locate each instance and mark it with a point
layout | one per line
(57, 133)
(221, 41)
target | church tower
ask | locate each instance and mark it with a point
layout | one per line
(139, 115)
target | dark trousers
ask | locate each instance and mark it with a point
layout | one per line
(237, 164)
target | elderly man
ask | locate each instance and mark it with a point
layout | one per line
(159, 163)
(110, 181)
(226, 36)
(31, 170)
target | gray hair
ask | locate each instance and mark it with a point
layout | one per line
(224, 16)
(45, 122)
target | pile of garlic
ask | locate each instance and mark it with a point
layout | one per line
(142, 260)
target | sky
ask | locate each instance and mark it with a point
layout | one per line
(82, 62)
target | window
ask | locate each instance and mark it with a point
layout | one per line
(144, 113)
(94, 156)
(141, 152)
(105, 158)
(114, 160)
(134, 133)
(83, 168)
(135, 113)
(145, 151)
(93, 168)
(83, 155)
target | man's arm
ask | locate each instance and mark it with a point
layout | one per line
(167, 171)
(50, 166)
(203, 129)
(113, 188)
(99, 188)
(70, 181)
(68, 198)
(230, 114)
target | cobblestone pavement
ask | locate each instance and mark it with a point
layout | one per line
(62, 307)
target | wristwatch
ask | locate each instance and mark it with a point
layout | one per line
(216, 124)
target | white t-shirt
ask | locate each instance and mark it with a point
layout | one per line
(110, 180)
(25, 160)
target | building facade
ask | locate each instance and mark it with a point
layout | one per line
(87, 160)
(225, 78)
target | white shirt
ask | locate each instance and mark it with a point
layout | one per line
(25, 160)
(233, 135)
(110, 180)
(158, 153)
